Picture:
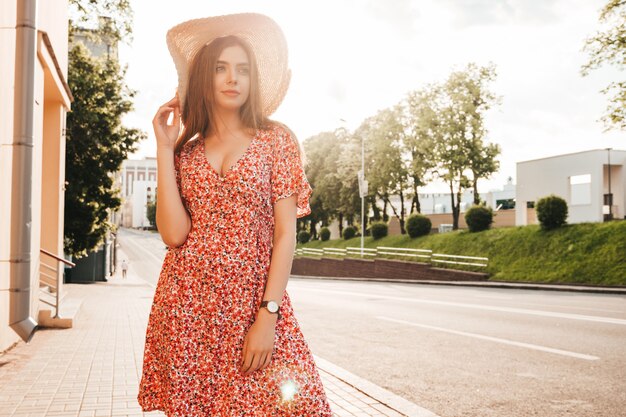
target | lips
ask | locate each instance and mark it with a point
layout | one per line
(232, 93)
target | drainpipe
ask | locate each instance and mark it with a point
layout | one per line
(20, 319)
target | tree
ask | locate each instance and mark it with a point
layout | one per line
(115, 18)
(348, 164)
(96, 142)
(386, 169)
(96, 146)
(477, 99)
(420, 121)
(151, 207)
(452, 119)
(322, 152)
(609, 47)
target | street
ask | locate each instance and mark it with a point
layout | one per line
(459, 351)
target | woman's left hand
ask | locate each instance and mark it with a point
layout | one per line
(258, 344)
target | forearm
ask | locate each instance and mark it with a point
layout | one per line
(172, 219)
(280, 267)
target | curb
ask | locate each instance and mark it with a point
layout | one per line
(490, 284)
(372, 390)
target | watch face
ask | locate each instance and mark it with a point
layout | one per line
(272, 306)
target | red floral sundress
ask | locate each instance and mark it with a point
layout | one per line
(211, 287)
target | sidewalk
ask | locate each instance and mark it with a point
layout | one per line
(93, 369)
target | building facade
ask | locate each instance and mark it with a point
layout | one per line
(582, 179)
(34, 98)
(137, 180)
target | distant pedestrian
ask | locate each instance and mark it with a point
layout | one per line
(124, 268)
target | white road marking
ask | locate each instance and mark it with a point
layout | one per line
(497, 339)
(609, 320)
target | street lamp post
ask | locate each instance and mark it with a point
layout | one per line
(362, 188)
(363, 191)
(610, 195)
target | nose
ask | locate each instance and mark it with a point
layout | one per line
(232, 77)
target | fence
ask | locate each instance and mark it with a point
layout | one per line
(387, 252)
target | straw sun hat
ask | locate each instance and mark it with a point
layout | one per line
(259, 31)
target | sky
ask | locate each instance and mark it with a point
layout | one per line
(351, 58)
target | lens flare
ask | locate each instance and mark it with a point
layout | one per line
(288, 390)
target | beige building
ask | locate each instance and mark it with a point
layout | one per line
(34, 100)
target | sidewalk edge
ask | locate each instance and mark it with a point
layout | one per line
(372, 390)
(484, 284)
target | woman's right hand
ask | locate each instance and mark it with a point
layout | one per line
(167, 134)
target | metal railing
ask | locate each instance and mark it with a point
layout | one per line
(404, 252)
(436, 257)
(355, 250)
(52, 280)
(383, 252)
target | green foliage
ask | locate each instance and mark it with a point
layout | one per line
(303, 236)
(386, 170)
(418, 225)
(96, 146)
(479, 218)
(115, 27)
(379, 230)
(551, 212)
(585, 253)
(449, 119)
(349, 232)
(325, 234)
(608, 47)
(151, 213)
(436, 132)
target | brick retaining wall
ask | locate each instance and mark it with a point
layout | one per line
(379, 268)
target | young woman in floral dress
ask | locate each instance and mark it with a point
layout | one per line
(222, 339)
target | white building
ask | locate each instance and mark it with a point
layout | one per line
(581, 179)
(437, 203)
(143, 193)
(137, 181)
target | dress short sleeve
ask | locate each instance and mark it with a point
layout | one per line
(288, 176)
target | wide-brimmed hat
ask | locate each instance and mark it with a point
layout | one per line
(259, 31)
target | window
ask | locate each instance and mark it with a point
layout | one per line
(580, 189)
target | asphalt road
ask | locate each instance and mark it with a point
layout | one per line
(459, 351)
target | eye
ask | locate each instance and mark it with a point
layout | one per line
(219, 68)
(244, 70)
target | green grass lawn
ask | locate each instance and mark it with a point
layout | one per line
(586, 253)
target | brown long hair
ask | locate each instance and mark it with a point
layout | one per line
(197, 112)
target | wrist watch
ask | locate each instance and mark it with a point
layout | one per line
(271, 306)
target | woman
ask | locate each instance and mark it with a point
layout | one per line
(222, 339)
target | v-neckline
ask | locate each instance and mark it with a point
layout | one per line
(234, 165)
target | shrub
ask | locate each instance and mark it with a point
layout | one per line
(379, 230)
(551, 212)
(325, 233)
(479, 218)
(303, 236)
(349, 232)
(418, 225)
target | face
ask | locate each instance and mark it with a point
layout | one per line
(232, 78)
